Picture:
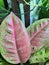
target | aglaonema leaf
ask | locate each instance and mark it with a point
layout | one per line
(15, 41)
(39, 37)
(39, 34)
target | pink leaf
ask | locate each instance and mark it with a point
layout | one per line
(39, 34)
(15, 40)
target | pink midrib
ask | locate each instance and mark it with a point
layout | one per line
(15, 37)
(38, 31)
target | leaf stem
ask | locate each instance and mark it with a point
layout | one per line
(34, 5)
(22, 64)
